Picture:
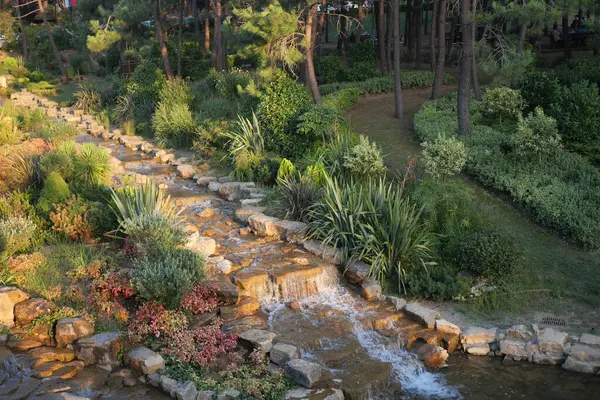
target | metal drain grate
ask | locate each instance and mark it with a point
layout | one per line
(553, 321)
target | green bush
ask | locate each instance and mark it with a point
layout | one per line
(252, 167)
(55, 191)
(445, 156)
(539, 89)
(438, 283)
(57, 162)
(228, 84)
(490, 254)
(282, 101)
(144, 87)
(91, 164)
(152, 234)
(101, 218)
(36, 76)
(59, 132)
(215, 108)
(286, 171)
(361, 52)
(174, 125)
(165, 278)
(578, 69)
(330, 68)
(536, 135)
(361, 71)
(342, 99)
(318, 124)
(15, 235)
(502, 103)
(32, 120)
(365, 160)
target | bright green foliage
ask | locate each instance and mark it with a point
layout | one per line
(7, 24)
(445, 156)
(165, 278)
(92, 164)
(502, 103)
(173, 122)
(144, 199)
(536, 135)
(577, 69)
(363, 51)
(438, 282)
(262, 169)
(55, 190)
(318, 124)
(316, 173)
(144, 87)
(59, 132)
(577, 113)
(490, 254)
(342, 99)
(365, 159)
(215, 108)
(246, 138)
(539, 89)
(385, 83)
(287, 171)
(176, 91)
(57, 162)
(102, 38)
(15, 234)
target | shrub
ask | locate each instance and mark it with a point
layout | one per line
(153, 325)
(174, 125)
(251, 167)
(286, 171)
(59, 132)
(578, 69)
(8, 132)
(445, 156)
(15, 235)
(57, 162)
(361, 71)
(71, 219)
(32, 120)
(101, 218)
(215, 108)
(438, 283)
(342, 99)
(536, 135)
(165, 278)
(539, 89)
(490, 254)
(144, 87)
(246, 138)
(363, 51)
(91, 164)
(36, 76)
(201, 299)
(281, 102)
(88, 98)
(318, 124)
(55, 191)
(176, 91)
(297, 195)
(502, 103)
(365, 159)
(330, 68)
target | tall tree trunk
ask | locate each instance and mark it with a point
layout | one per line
(217, 42)
(466, 66)
(434, 21)
(311, 30)
(180, 38)
(381, 35)
(388, 36)
(474, 77)
(452, 34)
(360, 18)
(398, 107)
(410, 30)
(63, 70)
(209, 5)
(321, 30)
(21, 28)
(161, 41)
(196, 17)
(438, 80)
(419, 36)
(566, 36)
(343, 36)
(522, 35)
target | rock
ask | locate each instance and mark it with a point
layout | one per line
(165, 158)
(186, 391)
(548, 359)
(292, 231)
(185, 171)
(201, 244)
(328, 253)
(9, 297)
(231, 191)
(26, 387)
(584, 352)
(585, 367)
(513, 347)
(60, 370)
(206, 213)
(314, 394)
(300, 260)
(258, 339)
(23, 344)
(206, 180)
(225, 266)
(481, 349)
(590, 340)
(144, 360)
(205, 395)
(477, 335)
(432, 356)
(250, 202)
(214, 186)
(293, 305)
(302, 372)
(168, 385)
(520, 332)
(245, 306)
(43, 355)
(69, 330)
(422, 314)
(230, 394)
(154, 379)
(356, 271)
(281, 353)
(28, 310)
(242, 214)
(551, 341)
(370, 290)
(103, 349)
(398, 302)
(447, 327)
(263, 225)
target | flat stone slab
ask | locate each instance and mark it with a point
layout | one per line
(447, 327)
(260, 340)
(477, 335)
(481, 349)
(552, 341)
(302, 372)
(356, 272)
(422, 314)
(144, 360)
(513, 347)
(590, 340)
(281, 353)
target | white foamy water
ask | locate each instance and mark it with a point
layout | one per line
(406, 368)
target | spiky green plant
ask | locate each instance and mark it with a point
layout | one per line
(146, 199)
(296, 197)
(88, 98)
(15, 234)
(247, 138)
(59, 132)
(92, 164)
(124, 108)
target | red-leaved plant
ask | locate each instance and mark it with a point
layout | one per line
(152, 322)
(200, 299)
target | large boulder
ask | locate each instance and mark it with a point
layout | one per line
(28, 310)
(446, 327)
(477, 335)
(519, 332)
(69, 330)
(9, 297)
(281, 353)
(551, 341)
(432, 356)
(144, 360)
(43, 355)
(201, 244)
(186, 171)
(590, 340)
(514, 347)
(101, 349)
(370, 290)
(263, 225)
(245, 306)
(302, 372)
(258, 339)
(356, 272)
(422, 314)
(291, 231)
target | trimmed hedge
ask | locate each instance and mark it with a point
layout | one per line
(561, 192)
(385, 83)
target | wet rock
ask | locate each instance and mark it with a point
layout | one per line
(246, 306)
(9, 297)
(292, 231)
(356, 271)
(225, 267)
(227, 292)
(69, 330)
(206, 180)
(165, 158)
(302, 372)
(60, 370)
(370, 290)
(258, 339)
(23, 344)
(206, 213)
(251, 282)
(205, 395)
(481, 349)
(585, 367)
(447, 327)
(552, 341)
(398, 302)
(65, 396)
(293, 305)
(432, 356)
(242, 214)
(214, 186)
(584, 352)
(590, 340)
(250, 202)
(28, 310)
(246, 323)
(232, 191)
(300, 260)
(281, 353)
(144, 360)
(422, 314)
(548, 359)
(477, 335)
(201, 244)
(513, 348)
(230, 394)
(519, 332)
(154, 379)
(186, 391)
(263, 225)
(168, 385)
(328, 253)
(103, 348)
(314, 394)
(27, 386)
(43, 355)
(120, 378)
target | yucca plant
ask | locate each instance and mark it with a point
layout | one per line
(247, 138)
(21, 170)
(146, 199)
(88, 98)
(92, 164)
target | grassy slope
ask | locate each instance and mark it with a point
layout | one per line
(557, 278)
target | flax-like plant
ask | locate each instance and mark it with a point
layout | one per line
(247, 138)
(147, 199)
(88, 98)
